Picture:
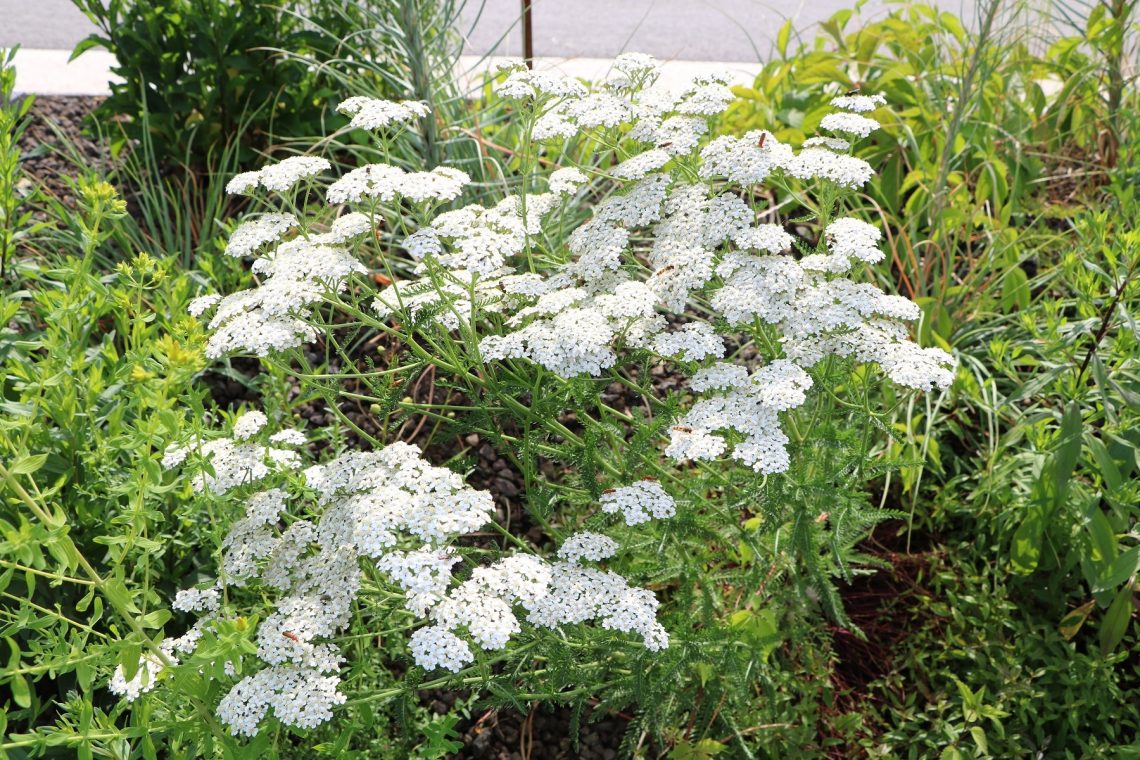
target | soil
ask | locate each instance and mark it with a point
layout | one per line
(54, 132)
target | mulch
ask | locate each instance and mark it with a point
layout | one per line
(54, 144)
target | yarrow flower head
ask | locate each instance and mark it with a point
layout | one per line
(251, 235)
(372, 113)
(521, 82)
(279, 177)
(387, 183)
(849, 123)
(235, 461)
(859, 103)
(632, 71)
(639, 502)
(589, 546)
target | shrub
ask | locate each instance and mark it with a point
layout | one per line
(97, 369)
(16, 191)
(199, 73)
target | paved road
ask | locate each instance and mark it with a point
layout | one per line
(710, 30)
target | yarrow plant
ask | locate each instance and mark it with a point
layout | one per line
(550, 314)
(362, 517)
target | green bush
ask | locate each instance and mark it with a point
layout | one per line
(97, 372)
(198, 74)
(983, 673)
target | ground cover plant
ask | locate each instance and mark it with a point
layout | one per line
(596, 400)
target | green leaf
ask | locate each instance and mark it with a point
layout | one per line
(87, 43)
(782, 38)
(1115, 623)
(21, 694)
(1025, 552)
(1014, 289)
(1103, 539)
(1066, 456)
(1121, 569)
(26, 465)
(155, 619)
(442, 738)
(1109, 472)
(129, 659)
(980, 739)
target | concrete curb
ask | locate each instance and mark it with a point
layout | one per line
(48, 72)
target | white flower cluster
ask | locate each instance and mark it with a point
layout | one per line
(671, 119)
(479, 239)
(750, 406)
(371, 501)
(553, 594)
(633, 71)
(567, 180)
(821, 314)
(387, 183)
(701, 239)
(573, 331)
(144, 680)
(251, 235)
(449, 298)
(271, 317)
(639, 502)
(859, 103)
(698, 235)
(196, 600)
(751, 159)
(693, 342)
(372, 113)
(280, 176)
(850, 123)
(344, 229)
(235, 461)
(371, 504)
(586, 545)
(522, 83)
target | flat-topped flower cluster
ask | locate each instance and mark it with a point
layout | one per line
(675, 265)
(309, 549)
(686, 200)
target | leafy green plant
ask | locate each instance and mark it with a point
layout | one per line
(197, 74)
(17, 193)
(983, 675)
(1064, 396)
(96, 369)
(994, 136)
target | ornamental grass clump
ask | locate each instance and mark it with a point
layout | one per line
(685, 378)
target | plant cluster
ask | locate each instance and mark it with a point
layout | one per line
(590, 398)
(513, 296)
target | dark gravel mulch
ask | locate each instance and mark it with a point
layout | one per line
(55, 133)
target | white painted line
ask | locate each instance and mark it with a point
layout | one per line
(47, 72)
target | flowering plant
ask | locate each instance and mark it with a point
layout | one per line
(673, 370)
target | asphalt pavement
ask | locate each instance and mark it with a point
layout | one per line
(697, 30)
